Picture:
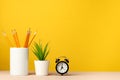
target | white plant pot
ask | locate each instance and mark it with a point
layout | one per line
(41, 67)
(19, 61)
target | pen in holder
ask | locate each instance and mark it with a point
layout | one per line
(19, 61)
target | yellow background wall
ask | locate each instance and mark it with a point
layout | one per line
(86, 31)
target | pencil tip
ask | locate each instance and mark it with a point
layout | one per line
(4, 33)
(35, 33)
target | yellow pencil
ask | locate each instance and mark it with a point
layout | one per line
(15, 36)
(32, 38)
(9, 42)
(27, 38)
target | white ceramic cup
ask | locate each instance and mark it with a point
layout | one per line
(18, 61)
(41, 67)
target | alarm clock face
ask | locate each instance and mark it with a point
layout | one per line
(62, 67)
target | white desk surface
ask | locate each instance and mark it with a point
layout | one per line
(4, 75)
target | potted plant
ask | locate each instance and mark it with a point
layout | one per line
(41, 65)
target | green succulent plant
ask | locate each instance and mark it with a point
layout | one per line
(40, 52)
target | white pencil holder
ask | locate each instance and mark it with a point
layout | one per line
(18, 61)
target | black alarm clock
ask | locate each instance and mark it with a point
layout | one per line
(62, 66)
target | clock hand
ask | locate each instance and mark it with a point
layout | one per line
(62, 67)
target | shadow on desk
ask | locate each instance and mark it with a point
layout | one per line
(56, 74)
